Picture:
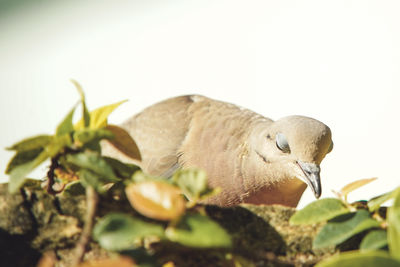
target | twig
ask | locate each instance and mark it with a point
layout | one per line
(51, 177)
(53, 167)
(91, 204)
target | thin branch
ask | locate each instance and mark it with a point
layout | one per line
(51, 177)
(52, 169)
(91, 204)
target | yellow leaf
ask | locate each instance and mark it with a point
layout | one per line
(98, 117)
(169, 264)
(354, 185)
(123, 142)
(156, 200)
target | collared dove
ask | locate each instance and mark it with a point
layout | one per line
(253, 159)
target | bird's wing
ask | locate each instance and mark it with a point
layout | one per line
(159, 130)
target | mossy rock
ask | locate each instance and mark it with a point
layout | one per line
(33, 222)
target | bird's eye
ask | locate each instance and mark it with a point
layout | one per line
(282, 143)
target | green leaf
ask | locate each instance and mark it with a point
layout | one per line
(140, 176)
(124, 142)
(89, 178)
(118, 231)
(66, 126)
(93, 162)
(319, 211)
(31, 143)
(394, 226)
(199, 231)
(74, 188)
(86, 135)
(98, 117)
(22, 157)
(18, 174)
(123, 170)
(85, 112)
(396, 195)
(193, 182)
(363, 259)
(374, 240)
(343, 227)
(376, 202)
(57, 145)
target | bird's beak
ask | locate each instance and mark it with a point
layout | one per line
(311, 176)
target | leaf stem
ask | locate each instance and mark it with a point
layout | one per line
(91, 204)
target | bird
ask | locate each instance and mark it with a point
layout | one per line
(251, 158)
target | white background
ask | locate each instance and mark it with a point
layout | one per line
(337, 61)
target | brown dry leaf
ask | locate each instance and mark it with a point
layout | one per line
(124, 142)
(117, 262)
(47, 260)
(354, 185)
(156, 200)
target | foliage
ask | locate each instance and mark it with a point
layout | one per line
(318, 211)
(380, 230)
(166, 211)
(78, 166)
(360, 259)
(118, 231)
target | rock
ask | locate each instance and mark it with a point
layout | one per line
(33, 222)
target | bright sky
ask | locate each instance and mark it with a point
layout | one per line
(337, 61)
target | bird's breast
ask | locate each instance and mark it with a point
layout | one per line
(287, 192)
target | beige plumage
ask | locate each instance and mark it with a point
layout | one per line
(251, 158)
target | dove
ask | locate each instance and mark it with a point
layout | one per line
(253, 159)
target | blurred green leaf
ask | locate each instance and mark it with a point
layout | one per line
(118, 231)
(199, 231)
(32, 143)
(376, 202)
(74, 188)
(18, 174)
(140, 176)
(124, 142)
(86, 135)
(396, 195)
(319, 211)
(123, 170)
(374, 240)
(98, 117)
(363, 259)
(343, 227)
(394, 226)
(22, 157)
(85, 112)
(92, 179)
(192, 182)
(93, 162)
(66, 126)
(57, 145)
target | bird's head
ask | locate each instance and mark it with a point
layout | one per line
(293, 147)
